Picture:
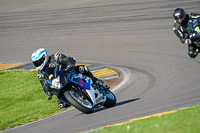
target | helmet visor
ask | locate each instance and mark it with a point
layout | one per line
(179, 20)
(38, 63)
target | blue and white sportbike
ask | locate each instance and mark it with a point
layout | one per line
(79, 90)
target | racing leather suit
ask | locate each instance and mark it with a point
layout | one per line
(181, 31)
(66, 63)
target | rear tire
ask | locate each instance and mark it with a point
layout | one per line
(82, 104)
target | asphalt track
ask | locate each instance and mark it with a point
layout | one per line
(135, 35)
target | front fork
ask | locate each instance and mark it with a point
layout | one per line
(96, 96)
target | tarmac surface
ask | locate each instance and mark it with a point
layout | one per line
(133, 36)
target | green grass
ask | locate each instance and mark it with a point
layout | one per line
(22, 99)
(182, 121)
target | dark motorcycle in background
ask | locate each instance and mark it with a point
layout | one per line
(79, 90)
(194, 32)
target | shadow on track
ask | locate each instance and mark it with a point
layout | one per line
(127, 101)
(118, 104)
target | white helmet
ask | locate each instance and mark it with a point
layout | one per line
(40, 58)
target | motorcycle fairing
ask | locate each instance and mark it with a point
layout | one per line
(85, 83)
(194, 29)
(77, 79)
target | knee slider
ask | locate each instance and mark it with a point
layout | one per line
(83, 69)
(192, 54)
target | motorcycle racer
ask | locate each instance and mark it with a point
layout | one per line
(181, 19)
(41, 60)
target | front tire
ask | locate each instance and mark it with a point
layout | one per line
(79, 101)
(110, 99)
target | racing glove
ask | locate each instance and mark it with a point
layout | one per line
(56, 83)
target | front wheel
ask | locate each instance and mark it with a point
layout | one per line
(79, 101)
(110, 99)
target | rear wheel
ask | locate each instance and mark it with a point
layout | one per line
(79, 100)
(110, 99)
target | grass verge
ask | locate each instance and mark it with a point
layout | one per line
(182, 121)
(22, 99)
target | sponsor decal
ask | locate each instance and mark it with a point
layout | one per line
(50, 76)
(197, 28)
(81, 82)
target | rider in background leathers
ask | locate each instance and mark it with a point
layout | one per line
(42, 61)
(181, 19)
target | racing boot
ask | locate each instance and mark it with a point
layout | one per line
(194, 54)
(197, 51)
(62, 105)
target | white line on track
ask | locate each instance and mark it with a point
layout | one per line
(126, 76)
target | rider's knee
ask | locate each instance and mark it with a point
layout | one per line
(81, 69)
(192, 54)
(192, 50)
